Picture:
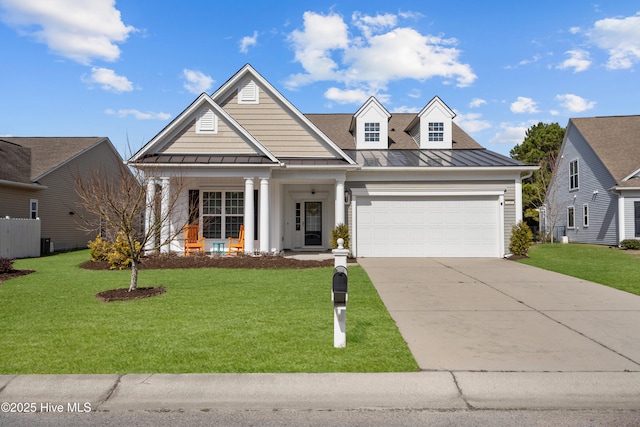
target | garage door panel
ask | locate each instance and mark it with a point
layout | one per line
(428, 226)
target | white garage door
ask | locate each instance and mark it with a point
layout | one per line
(428, 226)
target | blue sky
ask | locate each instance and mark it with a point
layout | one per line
(125, 69)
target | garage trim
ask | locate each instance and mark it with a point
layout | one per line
(363, 192)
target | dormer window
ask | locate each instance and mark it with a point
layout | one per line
(372, 132)
(436, 131)
(370, 126)
(207, 122)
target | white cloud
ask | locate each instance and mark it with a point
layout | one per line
(196, 81)
(471, 122)
(574, 103)
(477, 102)
(78, 30)
(384, 52)
(405, 109)
(352, 96)
(510, 134)
(373, 24)
(248, 41)
(524, 105)
(138, 115)
(620, 37)
(578, 59)
(575, 30)
(109, 80)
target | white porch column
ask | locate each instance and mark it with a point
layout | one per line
(165, 229)
(264, 215)
(340, 219)
(150, 216)
(249, 209)
(621, 231)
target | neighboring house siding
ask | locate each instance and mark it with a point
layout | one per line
(14, 202)
(279, 132)
(60, 198)
(224, 141)
(592, 176)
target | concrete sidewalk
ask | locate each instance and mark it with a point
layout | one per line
(309, 392)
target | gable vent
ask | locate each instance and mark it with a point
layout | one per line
(248, 92)
(206, 122)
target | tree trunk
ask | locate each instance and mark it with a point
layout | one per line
(134, 275)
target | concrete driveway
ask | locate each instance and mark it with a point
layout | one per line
(501, 316)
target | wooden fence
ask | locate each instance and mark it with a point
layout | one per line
(19, 238)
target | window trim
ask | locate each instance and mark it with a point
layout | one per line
(372, 132)
(436, 131)
(34, 213)
(574, 176)
(585, 215)
(225, 212)
(571, 217)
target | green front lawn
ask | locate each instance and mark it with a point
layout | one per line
(209, 320)
(613, 267)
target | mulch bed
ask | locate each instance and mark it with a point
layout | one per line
(166, 261)
(123, 294)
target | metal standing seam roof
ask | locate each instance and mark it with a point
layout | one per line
(431, 158)
(204, 159)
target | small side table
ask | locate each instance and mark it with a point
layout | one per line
(217, 247)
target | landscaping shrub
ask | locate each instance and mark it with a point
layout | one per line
(6, 265)
(341, 231)
(630, 244)
(117, 253)
(521, 239)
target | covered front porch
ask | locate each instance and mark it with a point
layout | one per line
(280, 210)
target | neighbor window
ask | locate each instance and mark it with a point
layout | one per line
(571, 217)
(585, 215)
(33, 208)
(436, 131)
(573, 175)
(372, 132)
(222, 214)
(636, 217)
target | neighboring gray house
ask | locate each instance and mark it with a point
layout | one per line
(405, 184)
(37, 180)
(595, 191)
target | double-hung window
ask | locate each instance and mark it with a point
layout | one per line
(436, 131)
(571, 217)
(372, 132)
(33, 208)
(222, 214)
(585, 215)
(573, 175)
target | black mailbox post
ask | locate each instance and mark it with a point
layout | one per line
(340, 286)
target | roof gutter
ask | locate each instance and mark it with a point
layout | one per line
(23, 185)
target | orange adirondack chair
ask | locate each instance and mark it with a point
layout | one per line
(192, 240)
(237, 245)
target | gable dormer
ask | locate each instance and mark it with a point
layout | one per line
(370, 126)
(432, 127)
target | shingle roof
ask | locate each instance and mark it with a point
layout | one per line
(615, 140)
(15, 162)
(49, 152)
(336, 127)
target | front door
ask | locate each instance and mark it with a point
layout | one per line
(313, 223)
